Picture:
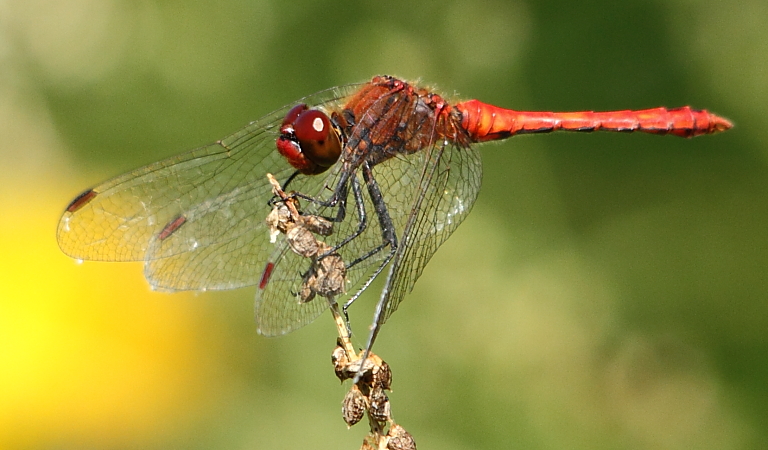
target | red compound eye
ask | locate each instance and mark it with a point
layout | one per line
(288, 145)
(293, 114)
(312, 125)
(308, 140)
(318, 139)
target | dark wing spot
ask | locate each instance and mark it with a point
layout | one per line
(265, 276)
(81, 200)
(171, 228)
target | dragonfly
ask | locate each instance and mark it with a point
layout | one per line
(391, 166)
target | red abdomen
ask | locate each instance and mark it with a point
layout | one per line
(486, 122)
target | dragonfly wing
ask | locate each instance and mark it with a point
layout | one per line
(278, 307)
(220, 243)
(116, 220)
(447, 191)
(190, 217)
(449, 178)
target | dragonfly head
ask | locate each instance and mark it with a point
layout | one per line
(308, 140)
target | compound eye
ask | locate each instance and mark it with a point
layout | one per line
(318, 139)
(293, 114)
(288, 145)
(312, 125)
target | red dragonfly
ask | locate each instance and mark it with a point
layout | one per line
(392, 166)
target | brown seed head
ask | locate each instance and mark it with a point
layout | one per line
(353, 406)
(399, 439)
(383, 376)
(340, 361)
(380, 409)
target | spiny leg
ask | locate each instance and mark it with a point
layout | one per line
(389, 238)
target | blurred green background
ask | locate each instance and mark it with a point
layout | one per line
(608, 291)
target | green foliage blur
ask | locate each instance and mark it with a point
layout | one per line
(608, 290)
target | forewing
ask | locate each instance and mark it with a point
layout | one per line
(223, 242)
(197, 219)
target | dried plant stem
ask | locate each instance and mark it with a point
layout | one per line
(343, 330)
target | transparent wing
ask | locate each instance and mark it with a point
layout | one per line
(223, 242)
(196, 219)
(278, 309)
(448, 190)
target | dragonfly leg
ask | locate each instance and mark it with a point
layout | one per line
(389, 238)
(284, 187)
(339, 194)
(361, 225)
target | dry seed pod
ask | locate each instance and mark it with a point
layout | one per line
(317, 224)
(339, 361)
(399, 439)
(325, 278)
(379, 409)
(331, 274)
(383, 376)
(353, 406)
(307, 293)
(302, 241)
(353, 367)
(278, 220)
(371, 366)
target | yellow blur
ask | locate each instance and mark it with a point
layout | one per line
(87, 352)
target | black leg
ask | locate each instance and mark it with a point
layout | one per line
(388, 236)
(357, 194)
